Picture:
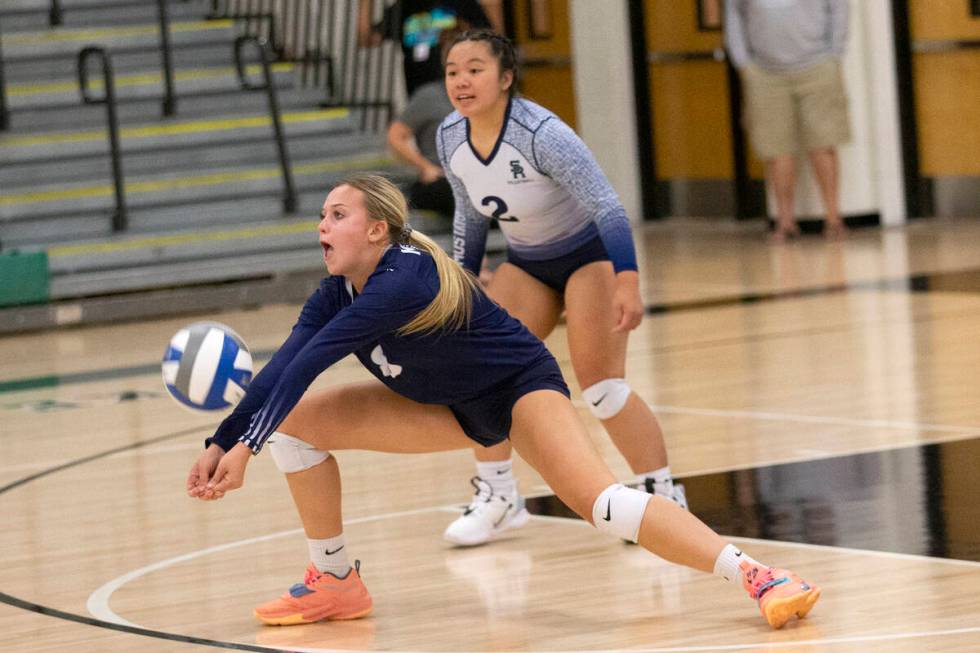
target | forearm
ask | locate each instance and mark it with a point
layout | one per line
(403, 145)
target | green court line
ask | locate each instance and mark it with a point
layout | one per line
(58, 380)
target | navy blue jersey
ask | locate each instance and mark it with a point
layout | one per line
(444, 367)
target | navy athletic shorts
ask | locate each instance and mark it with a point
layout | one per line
(554, 272)
(486, 419)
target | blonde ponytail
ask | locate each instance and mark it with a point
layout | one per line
(452, 306)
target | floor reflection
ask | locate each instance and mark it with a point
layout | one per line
(916, 500)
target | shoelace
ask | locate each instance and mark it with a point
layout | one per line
(311, 575)
(764, 581)
(484, 491)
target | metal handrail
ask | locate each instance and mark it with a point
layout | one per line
(319, 36)
(169, 96)
(119, 217)
(4, 111)
(265, 56)
(55, 14)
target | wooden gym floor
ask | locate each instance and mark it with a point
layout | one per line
(819, 399)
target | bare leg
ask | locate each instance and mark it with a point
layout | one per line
(781, 172)
(825, 168)
(314, 492)
(598, 353)
(359, 416)
(356, 416)
(559, 448)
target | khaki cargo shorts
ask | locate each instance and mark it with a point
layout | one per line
(787, 113)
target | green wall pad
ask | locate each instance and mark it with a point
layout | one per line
(23, 278)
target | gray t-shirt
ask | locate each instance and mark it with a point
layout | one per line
(785, 35)
(423, 114)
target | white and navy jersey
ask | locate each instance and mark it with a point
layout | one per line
(540, 182)
(439, 368)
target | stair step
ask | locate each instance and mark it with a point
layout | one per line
(64, 93)
(173, 188)
(22, 15)
(66, 42)
(214, 151)
(219, 52)
(232, 259)
(65, 212)
(138, 110)
(63, 146)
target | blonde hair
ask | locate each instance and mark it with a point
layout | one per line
(452, 306)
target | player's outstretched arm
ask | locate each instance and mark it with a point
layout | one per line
(202, 469)
(229, 474)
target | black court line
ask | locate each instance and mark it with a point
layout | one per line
(916, 284)
(99, 623)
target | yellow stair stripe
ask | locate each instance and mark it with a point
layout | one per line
(182, 239)
(140, 79)
(66, 36)
(175, 129)
(213, 179)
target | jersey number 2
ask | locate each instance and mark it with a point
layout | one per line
(498, 213)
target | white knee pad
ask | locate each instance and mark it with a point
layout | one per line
(292, 454)
(618, 510)
(606, 398)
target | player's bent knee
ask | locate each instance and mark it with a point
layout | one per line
(606, 398)
(294, 455)
(618, 510)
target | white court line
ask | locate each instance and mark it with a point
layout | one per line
(98, 601)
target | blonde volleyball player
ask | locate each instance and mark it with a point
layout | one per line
(453, 370)
(569, 248)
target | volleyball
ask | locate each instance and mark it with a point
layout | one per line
(207, 366)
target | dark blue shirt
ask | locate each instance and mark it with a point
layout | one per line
(443, 367)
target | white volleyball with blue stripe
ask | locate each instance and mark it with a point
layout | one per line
(207, 366)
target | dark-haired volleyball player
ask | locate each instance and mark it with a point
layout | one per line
(569, 248)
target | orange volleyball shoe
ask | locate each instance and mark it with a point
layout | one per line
(320, 596)
(780, 593)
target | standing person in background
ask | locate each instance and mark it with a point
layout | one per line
(422, 27)
(412, 136)
(788, 54)
(569, 247)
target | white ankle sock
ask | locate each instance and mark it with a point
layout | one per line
(659, 482)
(330, 555)
(728, 564)
(498, 475)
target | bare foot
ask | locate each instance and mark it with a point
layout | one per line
(783, 232)
(835, 231)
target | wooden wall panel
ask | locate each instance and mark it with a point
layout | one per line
(547, 75)
(692, 129)
(947, 89)
(690, 103)
(947, 92)
(942, 20)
